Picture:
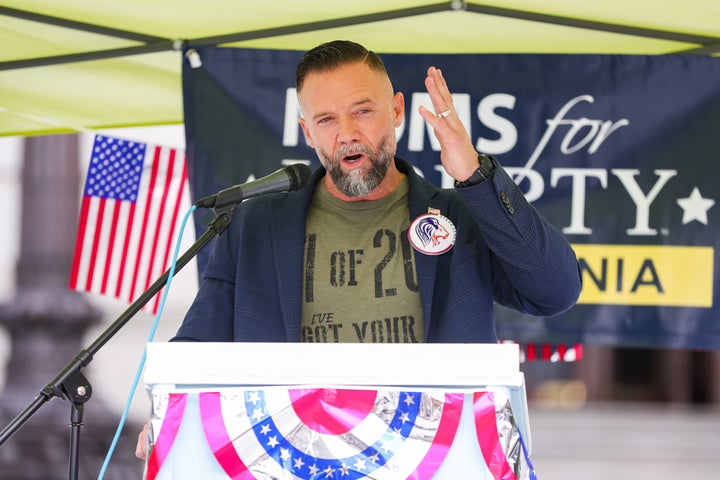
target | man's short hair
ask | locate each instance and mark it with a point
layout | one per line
(332, 55)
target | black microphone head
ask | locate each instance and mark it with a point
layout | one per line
(299, 174)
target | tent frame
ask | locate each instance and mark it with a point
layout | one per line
(151, 44)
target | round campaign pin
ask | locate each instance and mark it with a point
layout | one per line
(432, 234)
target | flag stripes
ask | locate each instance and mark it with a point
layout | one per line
(128, 218)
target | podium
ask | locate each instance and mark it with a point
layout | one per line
(336, 411)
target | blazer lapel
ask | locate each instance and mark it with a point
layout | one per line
(420, 198)
(287, 235)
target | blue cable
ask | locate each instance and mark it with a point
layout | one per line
(153, 329)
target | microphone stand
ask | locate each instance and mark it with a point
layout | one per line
(72, 385)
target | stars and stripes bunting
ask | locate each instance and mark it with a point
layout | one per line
(337, 433)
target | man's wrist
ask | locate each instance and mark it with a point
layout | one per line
(486, 166)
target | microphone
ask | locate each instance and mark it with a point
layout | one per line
(286, 179)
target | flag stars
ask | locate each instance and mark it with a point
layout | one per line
(313, 469)
(285, 454)
(360, 464)
(409, 400)
(273, 442)
(298, 463)
(253, 397)
(329, 472)
(258, 414)
(695, 207)
(265, 429)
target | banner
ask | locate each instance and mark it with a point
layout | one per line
(617, 151)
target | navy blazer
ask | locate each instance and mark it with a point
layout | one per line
(505, 252)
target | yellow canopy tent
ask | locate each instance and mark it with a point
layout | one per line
(82, 64)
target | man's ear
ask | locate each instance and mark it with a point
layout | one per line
(398, 108)
(306, 132)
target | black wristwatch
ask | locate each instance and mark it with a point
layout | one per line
(484, 171)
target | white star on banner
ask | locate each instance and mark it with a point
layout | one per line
(695, 207)
(254, 397)
(360, 464)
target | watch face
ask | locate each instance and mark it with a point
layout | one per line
(432, 234)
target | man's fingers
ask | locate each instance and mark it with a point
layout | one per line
(141, 448)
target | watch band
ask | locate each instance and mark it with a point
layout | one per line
(484, 171)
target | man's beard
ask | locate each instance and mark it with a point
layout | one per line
(359, 182)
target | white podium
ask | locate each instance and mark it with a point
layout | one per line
(337, 411)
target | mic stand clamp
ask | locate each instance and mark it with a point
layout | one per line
(78, 390)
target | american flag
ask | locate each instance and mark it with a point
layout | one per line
(129, 218)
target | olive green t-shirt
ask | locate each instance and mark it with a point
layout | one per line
(360, 283)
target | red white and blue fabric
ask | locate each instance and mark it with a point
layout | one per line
(561, 352)
(328, 433)
(129, 217)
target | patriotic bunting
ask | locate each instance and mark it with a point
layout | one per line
(332, 433)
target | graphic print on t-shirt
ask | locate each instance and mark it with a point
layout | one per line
(360, 283)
